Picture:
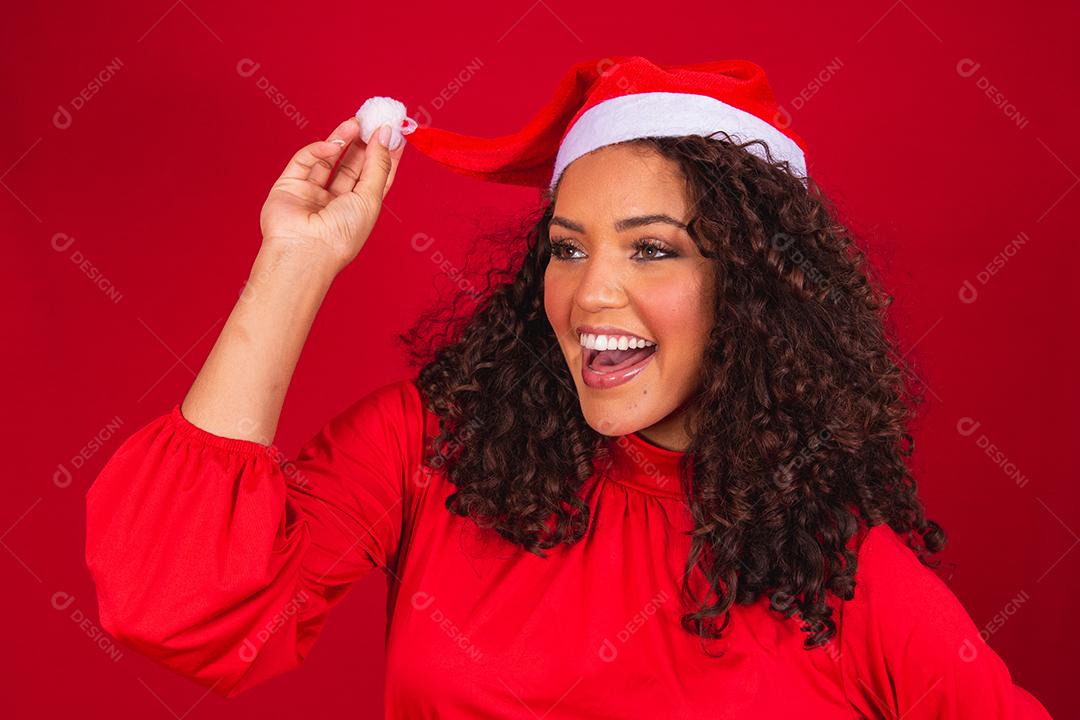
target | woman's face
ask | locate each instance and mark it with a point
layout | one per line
(609, 202)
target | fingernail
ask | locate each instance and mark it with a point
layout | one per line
(338, 141)
(384, 136)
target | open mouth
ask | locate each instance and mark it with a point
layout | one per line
(612, 361)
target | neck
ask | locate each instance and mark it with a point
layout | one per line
(673, 432)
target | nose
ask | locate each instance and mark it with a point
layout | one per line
(601, 285)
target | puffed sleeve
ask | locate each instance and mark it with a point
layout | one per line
(909, 648)
(220, 558)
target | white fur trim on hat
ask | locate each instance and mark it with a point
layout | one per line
(663, 114)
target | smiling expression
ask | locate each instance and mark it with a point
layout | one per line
(621, 258)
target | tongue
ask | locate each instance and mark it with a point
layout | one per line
(612, 360)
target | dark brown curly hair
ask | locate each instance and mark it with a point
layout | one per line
(800, 430)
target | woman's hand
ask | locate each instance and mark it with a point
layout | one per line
(330, 218)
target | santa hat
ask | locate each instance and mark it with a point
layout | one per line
(605, 101)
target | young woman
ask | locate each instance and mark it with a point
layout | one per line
(659, 473)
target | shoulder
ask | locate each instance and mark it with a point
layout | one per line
(909, 642)
(401, 395)
(902, 613)
(888, 563)
(386, 422)
(394, 403)
(905, 598)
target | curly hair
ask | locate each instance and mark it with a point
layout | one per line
(800, 428)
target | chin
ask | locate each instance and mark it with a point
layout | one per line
(611, 418)
(618, 410)
(613, 429)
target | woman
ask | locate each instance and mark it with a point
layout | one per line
(659, 473)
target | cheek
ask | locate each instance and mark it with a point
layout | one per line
(557, 296)
(680, 313)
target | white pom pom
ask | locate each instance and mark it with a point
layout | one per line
(378, 111)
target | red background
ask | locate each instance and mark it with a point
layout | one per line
(160, 175)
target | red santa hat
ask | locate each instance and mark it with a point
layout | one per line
(605, 101)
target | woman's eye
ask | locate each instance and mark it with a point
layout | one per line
(649, 250)
(558, 246)
(646, 250)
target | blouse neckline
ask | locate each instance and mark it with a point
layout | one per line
(642, 465)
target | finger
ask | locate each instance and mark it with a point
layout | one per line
(348, 170)
(352, 164)
(342, 135)
(375, 171)
(309, 156)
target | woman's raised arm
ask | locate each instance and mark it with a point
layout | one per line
(311, 229)
(212, 552)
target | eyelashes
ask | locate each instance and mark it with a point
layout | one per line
(558, 245)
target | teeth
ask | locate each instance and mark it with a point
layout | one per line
(614, 342)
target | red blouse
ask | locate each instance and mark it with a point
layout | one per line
(220, 558)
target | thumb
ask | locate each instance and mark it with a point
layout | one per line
(377, 166)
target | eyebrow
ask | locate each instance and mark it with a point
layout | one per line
(624, 224)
